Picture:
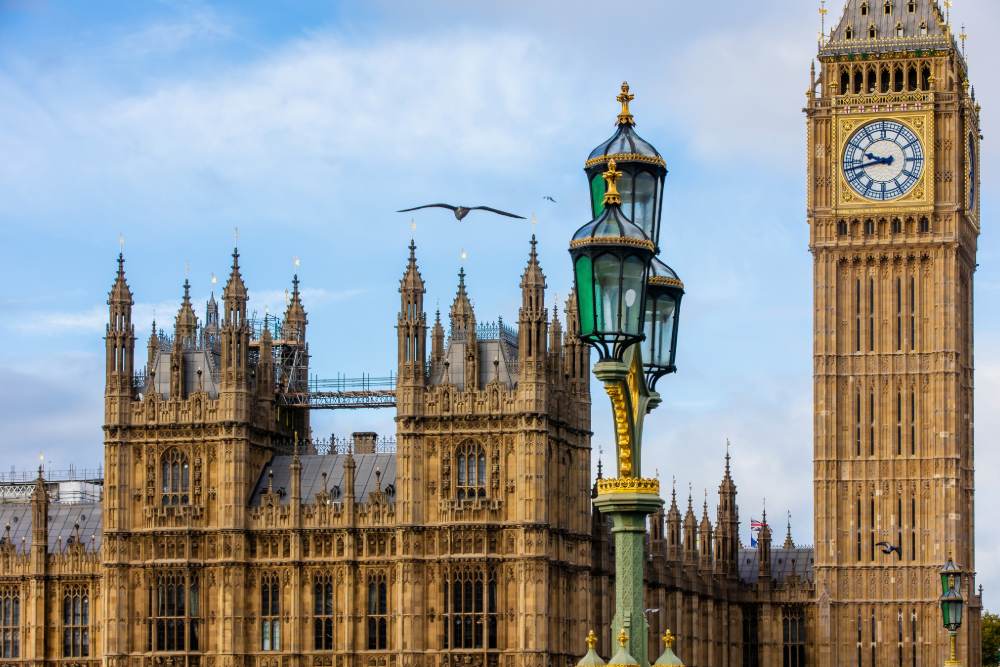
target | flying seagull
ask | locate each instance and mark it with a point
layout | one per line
(550, 198)
(887, 549)
(462, 211)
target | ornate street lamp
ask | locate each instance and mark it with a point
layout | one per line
(643, 171)
(611, 258)
(626, 296)
(663, 303)
(951, 605)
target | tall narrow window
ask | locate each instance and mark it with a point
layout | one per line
(76, 622)
(913, 313)
(913, 635)
(378, 612)
(913, 529)
(794, 637)
(871, 424)
(871, 314)
(871, 530)
(751, 636)
(270, 613)
(323, 613)
(899, 423)
(857, 423)
(174, 612)
(857, 529)
(874, 643)
(174, 478)
(471, 467)
(899, 314)
(857, 315)
(899, 530)
(10, 622)
(470, 609)
(899, 635)
(859, 638)
(913, 423)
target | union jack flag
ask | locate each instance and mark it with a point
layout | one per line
(755, 527)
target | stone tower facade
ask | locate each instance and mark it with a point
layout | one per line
(893, 207)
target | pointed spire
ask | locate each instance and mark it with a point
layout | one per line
(293, 327)
(411, 277)
(463, 318)
(186, 321)
(235, 294)
(789, 542)
(533, 276)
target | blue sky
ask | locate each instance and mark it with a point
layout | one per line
(307, 124)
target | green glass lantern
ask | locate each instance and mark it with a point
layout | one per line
(663, 303)
(611, 257)
(951, 596)
(643, 172)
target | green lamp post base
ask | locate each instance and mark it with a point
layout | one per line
(628, 501)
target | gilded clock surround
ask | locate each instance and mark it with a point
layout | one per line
(922, 193)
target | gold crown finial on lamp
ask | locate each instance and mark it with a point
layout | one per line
(625, 116)
(611, 176)
(591, 640)
(669, 639)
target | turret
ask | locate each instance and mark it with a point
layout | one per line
(789, 542)
(293, 327)
(152, 347)
(532, 320)
(764, 551)
(265, 367)
(463, 329)
(119, 342)
(727, 539)
(576, 354)
(705, 538)
(437, 342)
(235, 332)
(39, 523)
(690, 534)
(210, 333)
(673, 528)
(185, 326)
(411, 326)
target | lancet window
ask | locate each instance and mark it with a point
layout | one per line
(76, 622)
(10, 622)
(793, 636)
(470, 468)
(470, 608)
(175, 478)
(378, 612)
(174, 612)
(323, 613)
(270, 613)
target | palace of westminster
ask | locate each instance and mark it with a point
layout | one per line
(222, 536)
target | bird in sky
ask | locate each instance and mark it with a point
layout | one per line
(462, 211)
(887, 549)
(550, 198)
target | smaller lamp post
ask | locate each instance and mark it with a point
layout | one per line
(951, 606)
(663, 304)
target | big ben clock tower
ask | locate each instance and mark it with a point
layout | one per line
(893, 142)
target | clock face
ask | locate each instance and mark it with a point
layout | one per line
(883, 160)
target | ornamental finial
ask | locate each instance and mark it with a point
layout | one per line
(611, 176)
(625, 116)
(622, 637)
(669, 638)
(591, 640)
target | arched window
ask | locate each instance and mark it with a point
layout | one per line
(174, 612)
(470, 464)
(872, 31)
(793, 637)
(10, 622)
(899, 29)
(270, 613)
(175, 478)
(864, 9)
(76, 622)
(841, 228)
(470, 608)
(378, 612)
(849, 33)
(323, 613)
(887, 7)
(923, 29)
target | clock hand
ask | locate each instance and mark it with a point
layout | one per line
(869, 164)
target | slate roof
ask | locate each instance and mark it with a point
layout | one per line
(784, 563)
(926, 12)
(313, 467)
(62, 520)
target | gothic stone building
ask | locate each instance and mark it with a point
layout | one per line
(224, 538)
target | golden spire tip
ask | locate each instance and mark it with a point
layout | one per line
(611, 176)
(622, 637)
(591, 640)
(669, 638)
(625, 116)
